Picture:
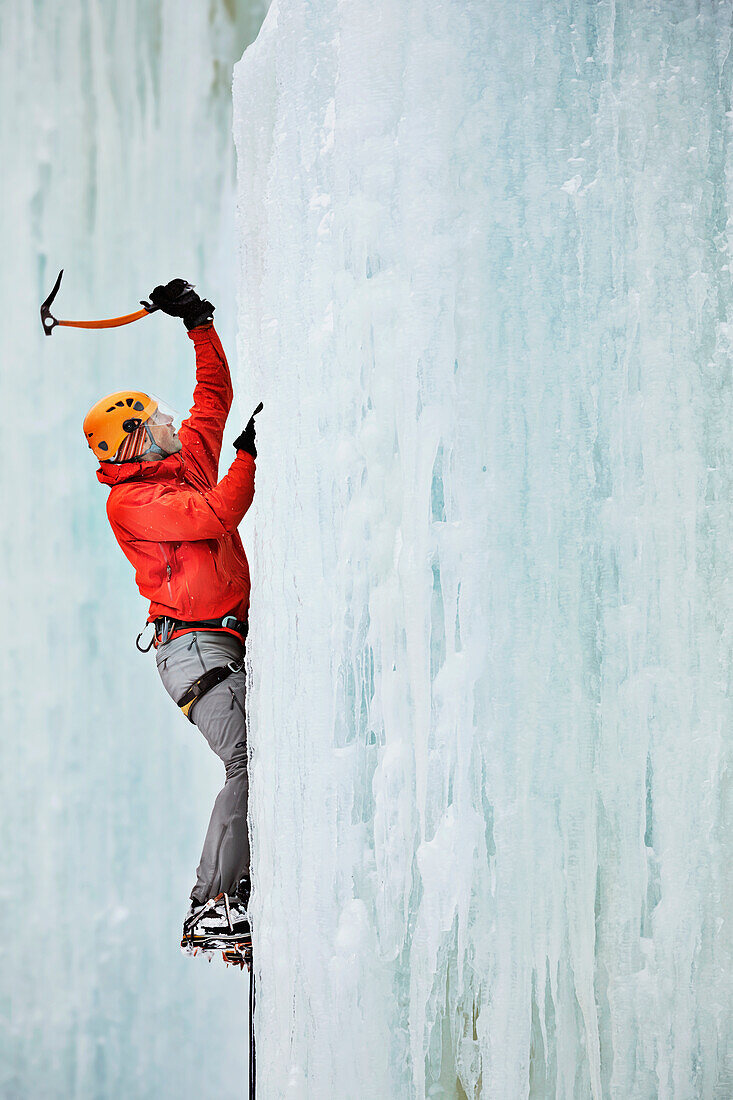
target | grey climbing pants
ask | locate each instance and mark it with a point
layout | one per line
(219, 715)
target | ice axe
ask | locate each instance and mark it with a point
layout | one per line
(49, 322)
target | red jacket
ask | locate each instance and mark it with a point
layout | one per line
(173, 521)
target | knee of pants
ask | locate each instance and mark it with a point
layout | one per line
(237, 766)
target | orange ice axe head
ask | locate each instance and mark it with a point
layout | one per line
(49, 322)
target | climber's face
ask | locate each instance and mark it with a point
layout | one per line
(164, 433)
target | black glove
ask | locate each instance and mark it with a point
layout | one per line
(246, 440)
(178, 299)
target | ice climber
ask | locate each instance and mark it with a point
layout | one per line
(177, 524)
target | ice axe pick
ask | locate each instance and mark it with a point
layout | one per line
(49, 322)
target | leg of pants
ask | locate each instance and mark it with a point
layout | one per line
(219, 715)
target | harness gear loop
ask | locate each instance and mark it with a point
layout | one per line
(200, 687)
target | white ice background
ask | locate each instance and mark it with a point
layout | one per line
(117, 164)
(485, 296)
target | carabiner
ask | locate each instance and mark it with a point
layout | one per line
(150, 644)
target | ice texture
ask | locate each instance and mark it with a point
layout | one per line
(485, 295)
(117, 165)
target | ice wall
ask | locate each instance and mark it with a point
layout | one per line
(118, 165)
(485, 295)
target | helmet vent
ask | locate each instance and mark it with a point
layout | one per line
(138, 406)
(103, 446)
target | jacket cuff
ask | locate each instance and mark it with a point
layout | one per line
(200, 333)
(250, 459)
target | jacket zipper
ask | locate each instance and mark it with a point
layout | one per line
(168, 569)
(185, 578)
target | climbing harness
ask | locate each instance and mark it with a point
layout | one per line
(203, 685)
(166, 628)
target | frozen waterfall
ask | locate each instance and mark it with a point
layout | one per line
(485, 295)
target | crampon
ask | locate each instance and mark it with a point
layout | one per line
(235, 951)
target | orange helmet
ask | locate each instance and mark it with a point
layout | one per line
(109, 423)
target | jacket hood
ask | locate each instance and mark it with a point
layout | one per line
(111, 473)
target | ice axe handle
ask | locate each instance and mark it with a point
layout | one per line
(109, 322)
